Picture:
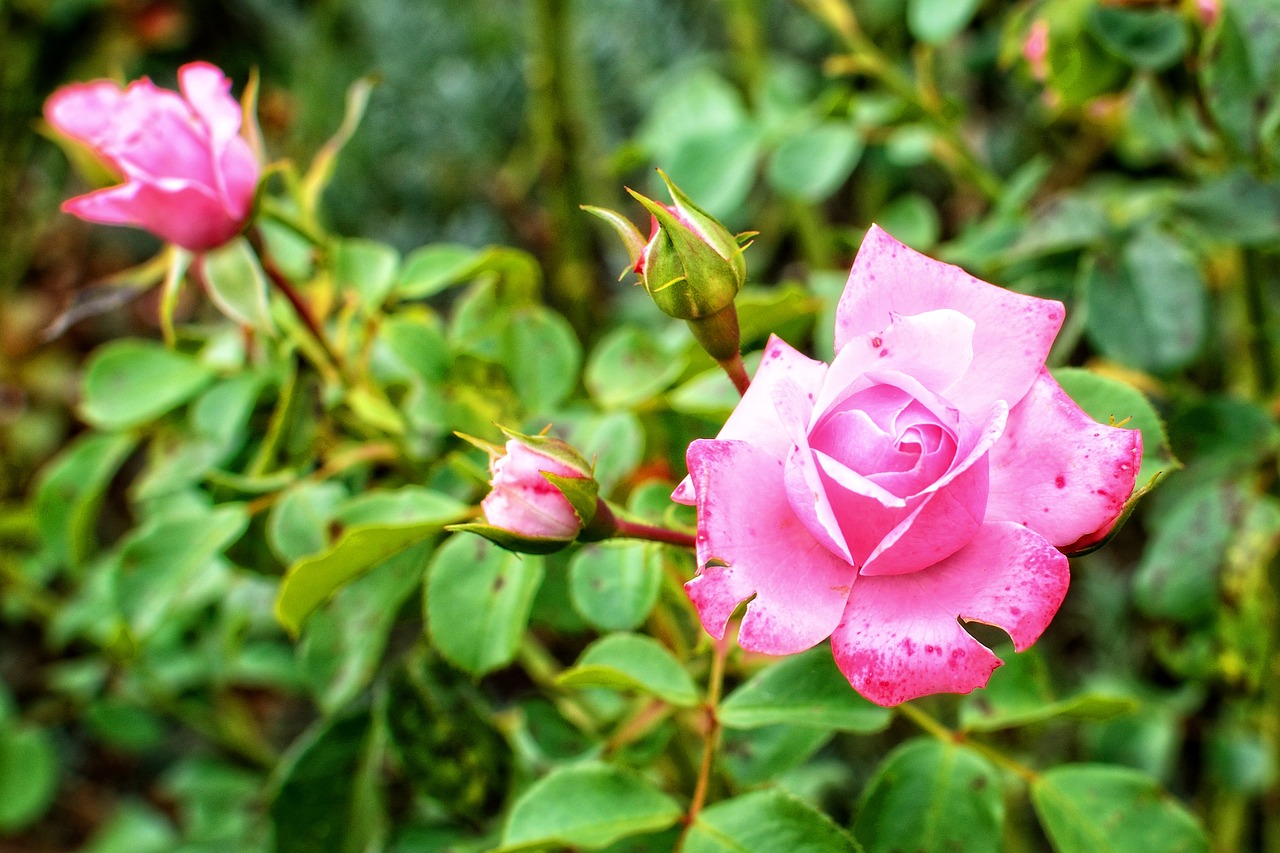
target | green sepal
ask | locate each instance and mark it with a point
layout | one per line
(550, 447)
(487, 446)
(685, 274)
(581, 492)
(632, 239)
(511, 541)
(1125, 512)
(711, 230)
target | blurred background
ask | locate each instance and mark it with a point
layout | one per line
(1120, 156)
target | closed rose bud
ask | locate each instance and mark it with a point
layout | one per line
(189, 177)
(543, 495)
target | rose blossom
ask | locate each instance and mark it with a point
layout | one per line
(523, 501)
(931, 473)
(189, 177)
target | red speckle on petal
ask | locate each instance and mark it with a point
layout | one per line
(877, 342)
(1060, 482)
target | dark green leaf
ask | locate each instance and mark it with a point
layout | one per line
(933, 797)
(70, 493)
(629, 367)
(614, 586)
(1153, 39)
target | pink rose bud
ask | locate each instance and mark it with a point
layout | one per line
(691, 266)
(933, 473)
(189, 177)
(1036, 49)
(1209, 11)
(543, 494)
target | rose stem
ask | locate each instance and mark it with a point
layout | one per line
(737, 372)
(300, 307)
(653, 533)
(715, 681)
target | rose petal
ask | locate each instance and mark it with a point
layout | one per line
(1012, 333)
(154, 135)
(1058, 471)
(899, 638)
(208, 91)
(84, 111)
(933, 347)
(178, 212)
(744, 521)
(755, 419)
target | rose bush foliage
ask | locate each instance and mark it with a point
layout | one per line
(933, 470)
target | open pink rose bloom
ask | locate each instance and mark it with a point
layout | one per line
(189, 177)
(933, 472)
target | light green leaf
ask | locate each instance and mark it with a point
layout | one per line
(586, 806)
(802, 690)
(814, 163)
(766, 821)
(614, 586)
(367, 267)
(934, 797)
(299, 522)
(28, 775)
(131, 381)
(309, 582)
(431, 269)
(633, 662)
(478, 599)
(238, 286)
(1101, 808)
(630, 367)
(936, 21)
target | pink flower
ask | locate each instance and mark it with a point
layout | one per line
(1209, 11)
(189, 177)
(1036, 49)
(931, 473)
(524, 501)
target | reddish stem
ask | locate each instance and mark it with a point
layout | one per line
(737, 372)
(635, 530)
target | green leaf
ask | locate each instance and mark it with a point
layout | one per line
(802, 690)
(299, 522)
(165, 562)
(587, 806)
(542, 356)
(1234, 208)
(367, 267)
(757, 756)
(133, 828)
(1098, 808)
(630, 367)
(1228, 79)
(1019, 694)
(632, 662)
(814, 163)
(342, 644)
(238, 286)
(417, 339)
(1109, 401)
(717, 168)
(309, 582)
(936, 21)
(70, 492)
(327, 800)
(1152, 39)
(1148, 309)
(128, 382)
(431, 269)
(403, 505)
(766, 820)
(615, 440)
(478, 600)
(934, 797)
(28, 775)
(614, 585)
(912, 219)
(1177, 577)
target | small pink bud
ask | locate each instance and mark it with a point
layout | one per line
(1209, 11)
(189, 176)
(1036, 49)
(524, 501)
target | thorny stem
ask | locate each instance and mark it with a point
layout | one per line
(925, 721)
(715, 684)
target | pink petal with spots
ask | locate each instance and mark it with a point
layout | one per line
(1012, 333)
(744, 521)
(525, 502)
(755, 419)
(899, 637)
(84, 111)
(1058, 471)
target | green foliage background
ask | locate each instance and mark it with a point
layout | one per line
(174, 675)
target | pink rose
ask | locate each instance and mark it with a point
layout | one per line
(931, 473)
(189, 177)
(1035, 49)
(524, 501)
